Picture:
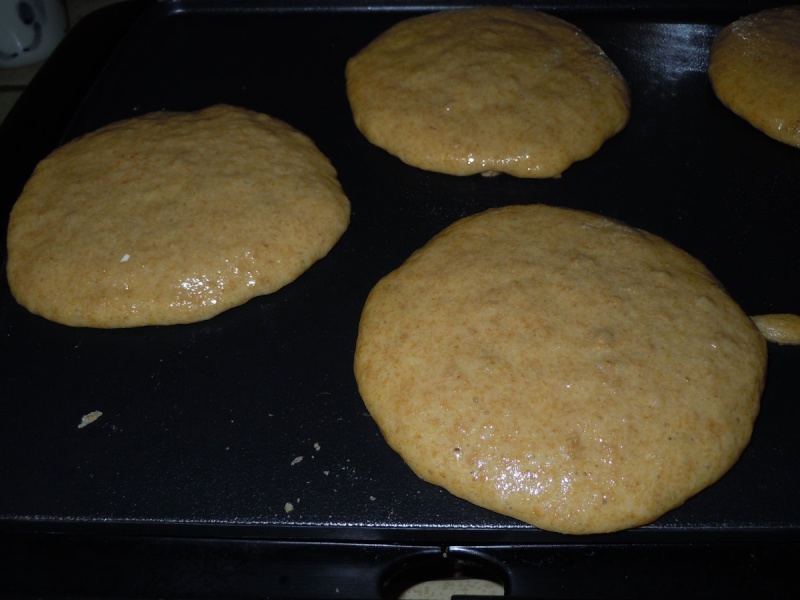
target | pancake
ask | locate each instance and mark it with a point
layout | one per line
(171, 218)
(754, 69)
(487, 90)
(560, 368)
(781, 328)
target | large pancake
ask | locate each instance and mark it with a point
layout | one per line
(487, 90)
(559, 367)
(754, 69)
(171, 218)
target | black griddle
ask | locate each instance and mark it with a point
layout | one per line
(180, 489)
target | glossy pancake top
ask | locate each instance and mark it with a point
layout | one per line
(171, 218)
(560, 368)
(754, 68)
(487, 90)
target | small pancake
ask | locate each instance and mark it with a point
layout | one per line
(171, 218)
(561, 368)
(781, 328)
(754, 69)
(487, 90)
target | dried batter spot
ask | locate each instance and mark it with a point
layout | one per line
(89, 418)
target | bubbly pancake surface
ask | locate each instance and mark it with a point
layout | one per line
(171, 218)
(754, 69)
(487, 90)
(560, 368)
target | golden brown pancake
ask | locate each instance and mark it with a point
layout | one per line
(171, 218)
(783, 329)
(487, 90)
(561, 368)
(754, 69)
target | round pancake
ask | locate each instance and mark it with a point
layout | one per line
(560, 368)
(171, 218)
(754, 69)
(487, 90)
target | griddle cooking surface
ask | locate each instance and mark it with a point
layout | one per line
(220, 424)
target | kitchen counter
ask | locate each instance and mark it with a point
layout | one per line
(13, 81)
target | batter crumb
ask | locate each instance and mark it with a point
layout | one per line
(89, 418)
